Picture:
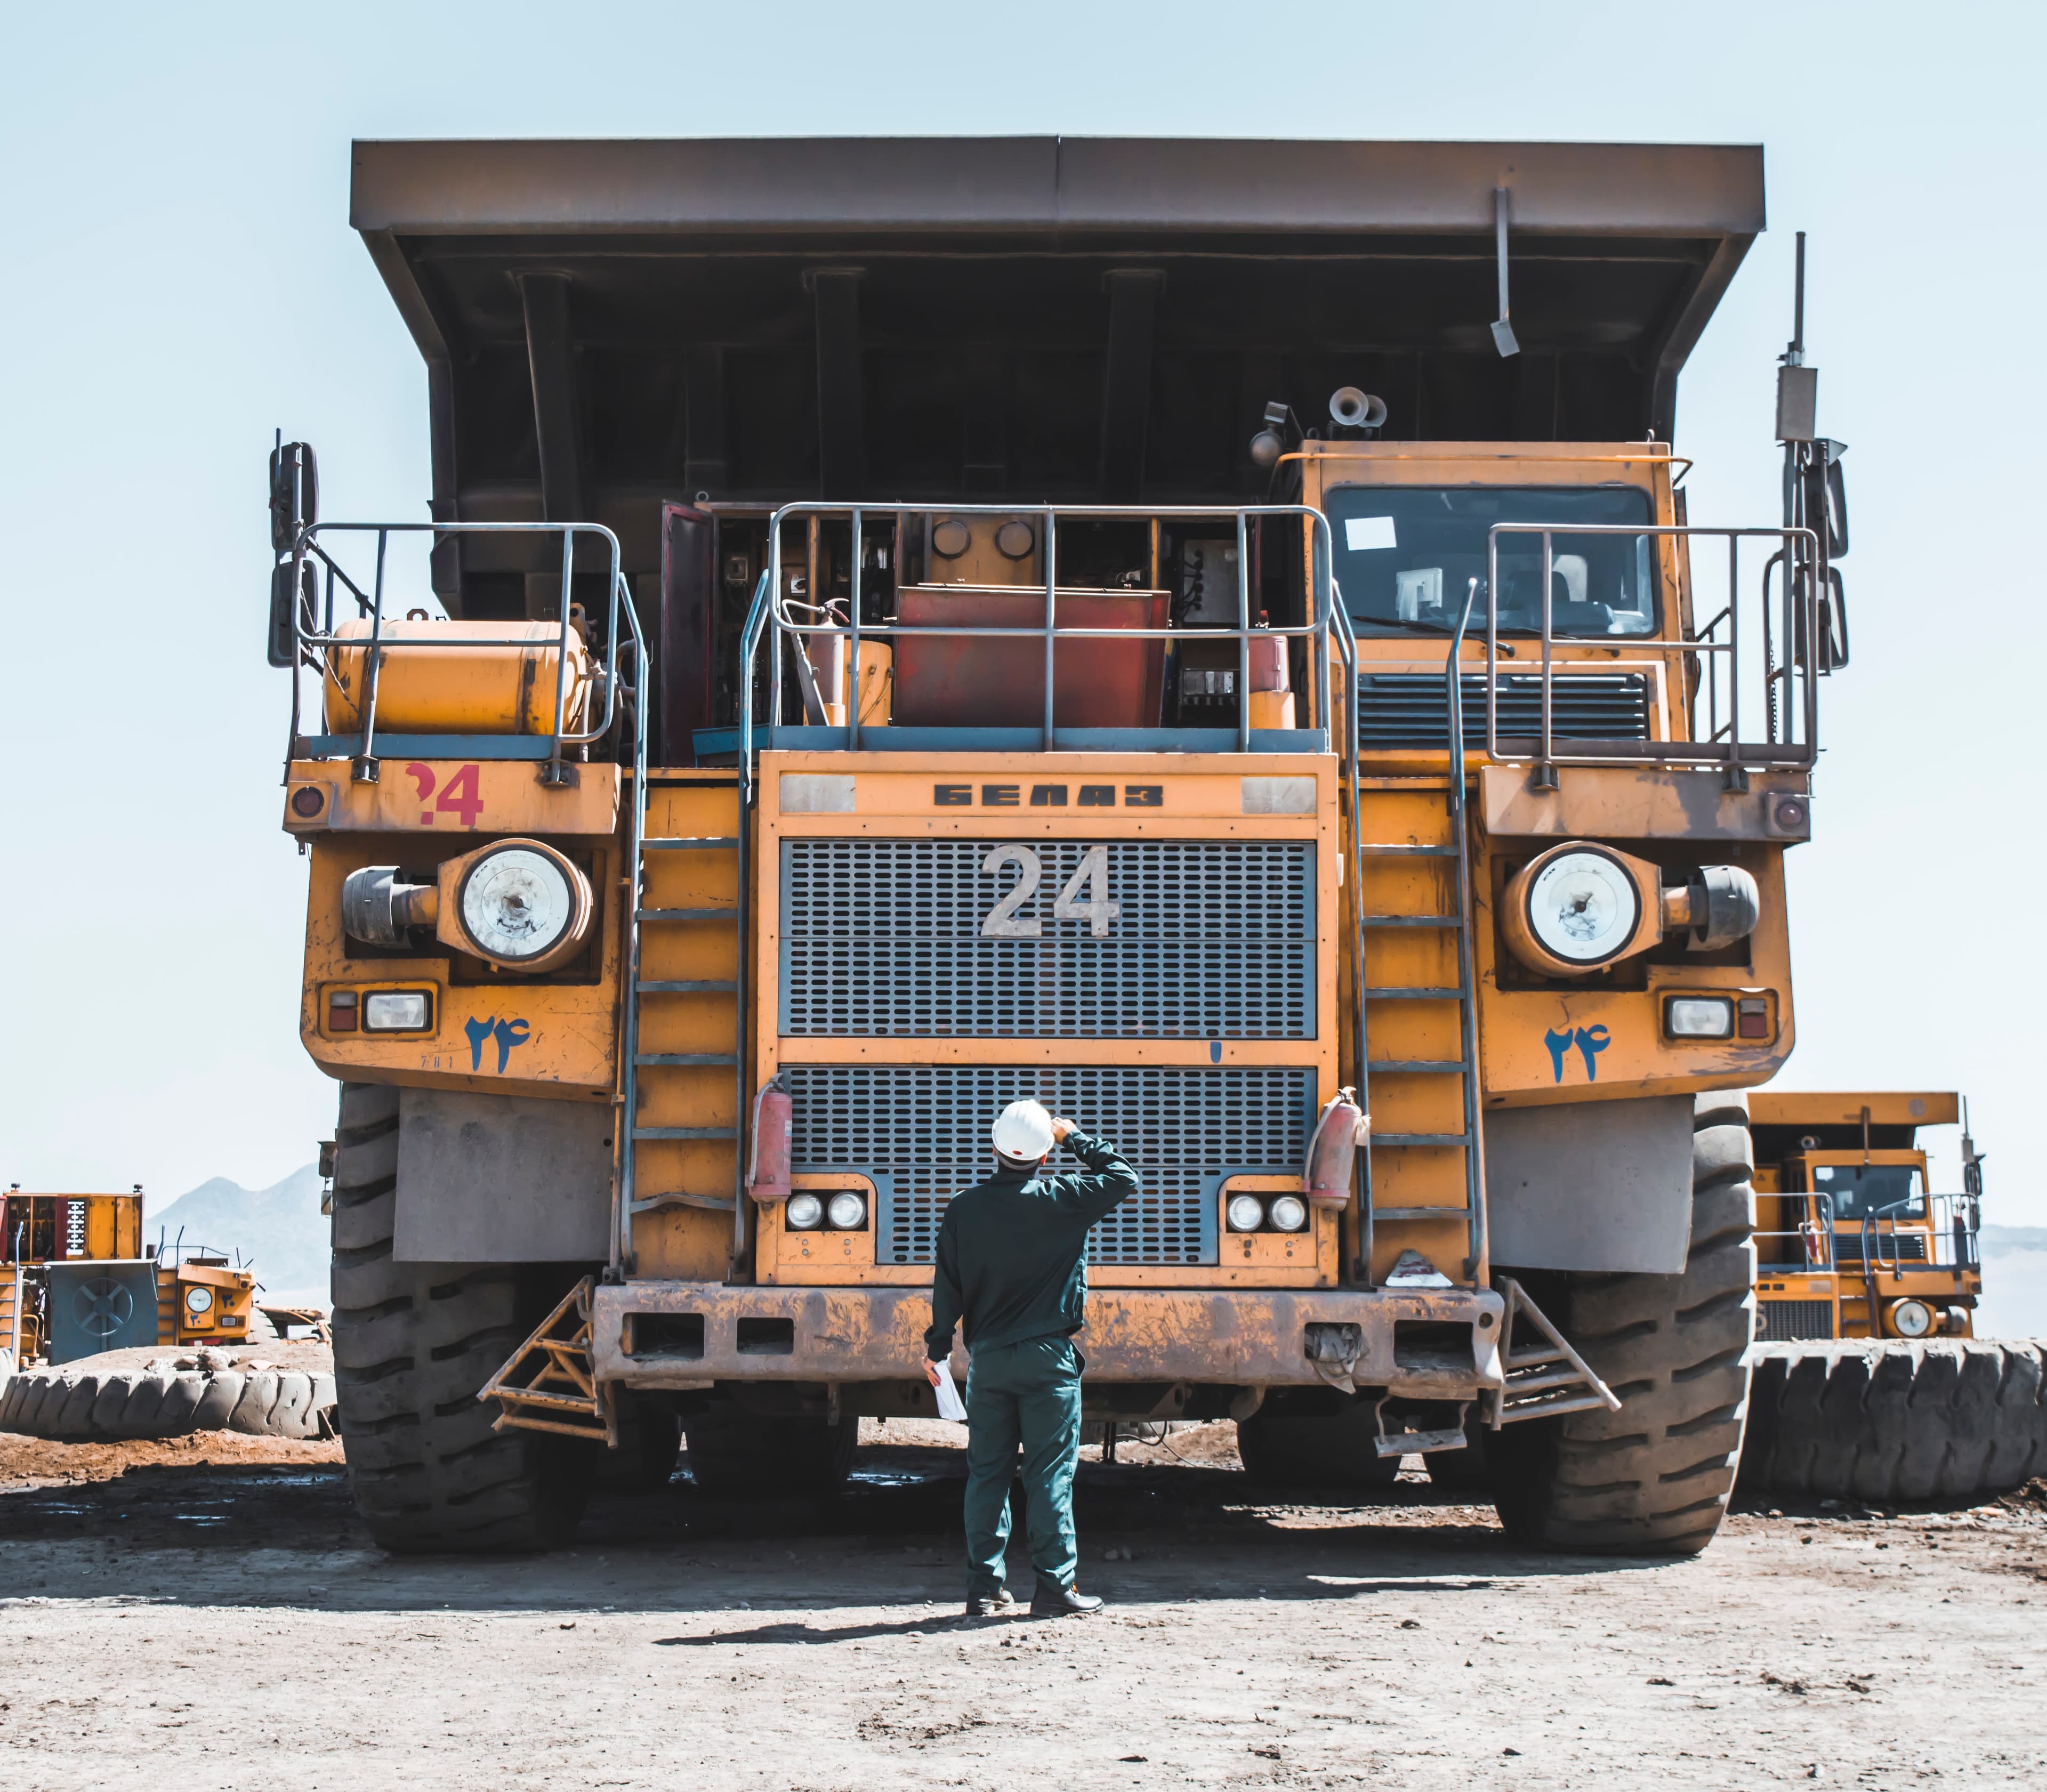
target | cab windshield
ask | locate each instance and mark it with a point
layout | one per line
(1869, 1191)
(1406, 556)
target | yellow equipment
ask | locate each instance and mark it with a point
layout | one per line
(199, 1298)
(1852, 1240)
(1201, 745)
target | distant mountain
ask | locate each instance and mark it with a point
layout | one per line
(280, 1230)
(2000, 1240)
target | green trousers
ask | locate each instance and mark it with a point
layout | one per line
(1026, 1393)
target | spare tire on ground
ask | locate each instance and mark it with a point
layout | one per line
(1943, 1418)
(122, 1405)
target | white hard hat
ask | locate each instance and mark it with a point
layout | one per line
(1023, 1131)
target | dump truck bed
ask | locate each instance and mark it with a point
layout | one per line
(610, 324)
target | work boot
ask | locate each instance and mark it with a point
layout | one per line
(990, 1604)
(1050, 1601)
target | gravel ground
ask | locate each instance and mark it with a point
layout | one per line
(209, 1613)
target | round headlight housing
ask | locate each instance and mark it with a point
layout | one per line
(1245, 1213)
(1290, 1213)
(199, 1301)
(804, 1212)
(1583, 907)
(523, 905)
(1911, 1318)
(847, 1211)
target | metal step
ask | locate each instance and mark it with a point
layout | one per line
(1389, 852)
(685, 1133)
(1418, 1066)
(1419, 1213)
(689, 989)
(1416, 993)
(686, 915)
(679, 1060)
(679, 843)
(682, 1197)
(1411, 920)
(1398, 1138)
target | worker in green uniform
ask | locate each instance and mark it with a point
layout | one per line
(1012, 1264)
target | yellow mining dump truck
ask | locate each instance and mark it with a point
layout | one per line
(1852, 1241)
(1870, 1382)
(75, 1279)
(906, 625)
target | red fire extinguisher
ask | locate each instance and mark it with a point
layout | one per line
(774, 1115)
(1332, 1151)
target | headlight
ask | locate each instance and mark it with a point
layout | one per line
(1699, 1017)
(847, 1211)
(1582, 907)
(1289, 1214)
(804, 1212)
(519, 902)
(397, 1011)
(199, 1301)
(1911, 1318)
(1246, 1212)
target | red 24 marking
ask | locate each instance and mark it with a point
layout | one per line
(460, 797)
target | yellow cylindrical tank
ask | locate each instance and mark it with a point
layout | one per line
(459, 689)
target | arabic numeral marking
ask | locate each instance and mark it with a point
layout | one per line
(1098, 911)
(1002, 922)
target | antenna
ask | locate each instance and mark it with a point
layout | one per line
(1794, 353)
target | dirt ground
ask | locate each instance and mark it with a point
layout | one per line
(208, 1612)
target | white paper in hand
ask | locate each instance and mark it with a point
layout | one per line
(950, 1405)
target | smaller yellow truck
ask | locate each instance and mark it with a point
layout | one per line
(76, 1279)
(1868, 1380)
(1852, 1241)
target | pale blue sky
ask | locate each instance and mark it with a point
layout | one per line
(180, 278)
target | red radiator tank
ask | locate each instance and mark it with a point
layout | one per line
(1333, 1152)
(774, 1115)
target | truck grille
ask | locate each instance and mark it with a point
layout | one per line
(1894, 1247)
(1793, 1322)
(921, 1131)
(1411, 709)
(1215, 939)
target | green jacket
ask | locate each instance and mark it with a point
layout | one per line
(1012, 1250)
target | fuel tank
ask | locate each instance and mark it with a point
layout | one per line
(469, 686)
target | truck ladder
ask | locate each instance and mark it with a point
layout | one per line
(1412, 901)
(681, 1146)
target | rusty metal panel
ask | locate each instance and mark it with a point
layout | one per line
(1242, 1338)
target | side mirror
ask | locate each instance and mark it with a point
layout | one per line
(294, 494)
(1837, 510)
(1834, 616)
(283, 646)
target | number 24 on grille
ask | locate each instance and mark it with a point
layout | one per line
(1095, 908)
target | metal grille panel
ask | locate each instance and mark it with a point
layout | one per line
(1885, 1247)
(1215, 939)
(1793, 1322)
(925, 1128)
(1411, 709)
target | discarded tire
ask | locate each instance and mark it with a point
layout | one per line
(412, 1344)
(1654, 1478)
(143, 1403)
(1949, 1418)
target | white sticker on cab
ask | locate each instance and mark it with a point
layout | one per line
(1362, 534)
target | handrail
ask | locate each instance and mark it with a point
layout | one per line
(313, 645)
(1316, 630)
(1467, 987)
(1736, 756)
(1347, 644)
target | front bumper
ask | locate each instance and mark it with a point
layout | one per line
(1434, 1343)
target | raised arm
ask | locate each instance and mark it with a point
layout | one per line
(1110, 1180)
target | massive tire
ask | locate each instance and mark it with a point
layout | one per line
(1653, 1478)
(412, 1343)
(1314, 1438)
(750, 1456)
(127, 1405)
(1942, 1419)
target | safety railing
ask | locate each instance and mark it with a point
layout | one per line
(315, 641)
(1785, 663)
(767, 609)
(1947, 1225)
